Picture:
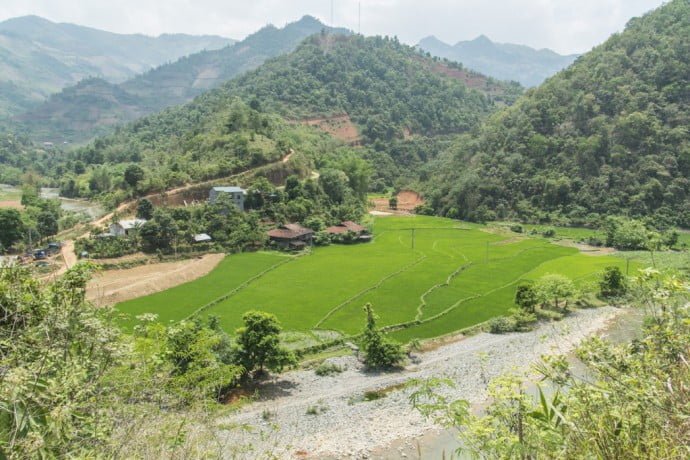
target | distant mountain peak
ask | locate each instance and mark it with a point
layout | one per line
(483, 39)
(503, 61)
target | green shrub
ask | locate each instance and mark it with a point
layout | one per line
(613, 283)
(379, 352)
(502, 324)
(325, 369)
(549, 232)
(517, 228)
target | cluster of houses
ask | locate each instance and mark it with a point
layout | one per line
(295, 236)
(286, 236)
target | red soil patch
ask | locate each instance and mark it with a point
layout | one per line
(407, 201)
(338, 126)
(11, 204)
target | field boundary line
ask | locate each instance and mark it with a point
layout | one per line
(367, 290)
(417, 322)
(240, 287)
(449, 278)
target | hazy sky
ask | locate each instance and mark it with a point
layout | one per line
(566, 26)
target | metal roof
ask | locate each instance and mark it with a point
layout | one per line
(230, 189)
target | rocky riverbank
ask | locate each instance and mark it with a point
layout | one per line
(302, 415)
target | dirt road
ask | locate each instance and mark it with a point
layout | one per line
(113, 286)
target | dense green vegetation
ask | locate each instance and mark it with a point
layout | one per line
(439, 286)
(606, 136)
(383, 85)
(18, 155)
(387, 88)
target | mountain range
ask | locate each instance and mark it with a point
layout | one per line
(39, 57)
(95, 105)
(504, 61)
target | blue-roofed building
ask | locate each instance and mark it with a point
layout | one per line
(236, 195)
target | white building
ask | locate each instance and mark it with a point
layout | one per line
(202, 238)
(236, 195)
(124, 227)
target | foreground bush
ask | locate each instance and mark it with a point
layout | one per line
(633, 404)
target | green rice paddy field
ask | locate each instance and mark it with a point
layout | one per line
(444, 276)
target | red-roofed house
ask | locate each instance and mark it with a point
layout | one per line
(291, 236)
(350, 227)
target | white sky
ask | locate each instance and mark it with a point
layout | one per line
(566, 26)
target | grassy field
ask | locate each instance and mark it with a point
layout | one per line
(8, 193)
(442, 275)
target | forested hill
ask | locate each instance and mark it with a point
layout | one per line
(94, 106)
(609, 135)
(387, 88)
(505, 61)
(391, 91)
(39, 57)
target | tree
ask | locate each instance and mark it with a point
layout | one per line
(11, 227)
(133, 175)
(553, 289)
(334, 184)
(613, 283)
(258, 344)
(526, 297)
(47, 224)
(626, 234)
(144, 209)
(379, 351)
(393, 202)
(201, 360)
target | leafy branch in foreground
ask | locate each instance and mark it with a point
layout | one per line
(633, 402)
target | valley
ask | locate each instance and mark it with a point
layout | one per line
(316, 243)
(425, 276)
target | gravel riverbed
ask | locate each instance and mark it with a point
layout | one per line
(302, 415)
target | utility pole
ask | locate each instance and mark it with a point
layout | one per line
(413, 236)
(486, 258)
(359, 18)
(332, 25)
(627, 266)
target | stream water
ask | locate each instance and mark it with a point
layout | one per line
(91, 209)
(443, 444)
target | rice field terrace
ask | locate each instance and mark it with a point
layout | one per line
(425, 277)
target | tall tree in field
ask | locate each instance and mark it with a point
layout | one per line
(379, 351)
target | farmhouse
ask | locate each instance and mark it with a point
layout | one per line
(125, 227)
(236, 195)
(348, 226)
(292, 236)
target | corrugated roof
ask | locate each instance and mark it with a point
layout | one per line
(289, 231)
(201, 237)
(346, 226)
(229, 189)
(131, 223)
